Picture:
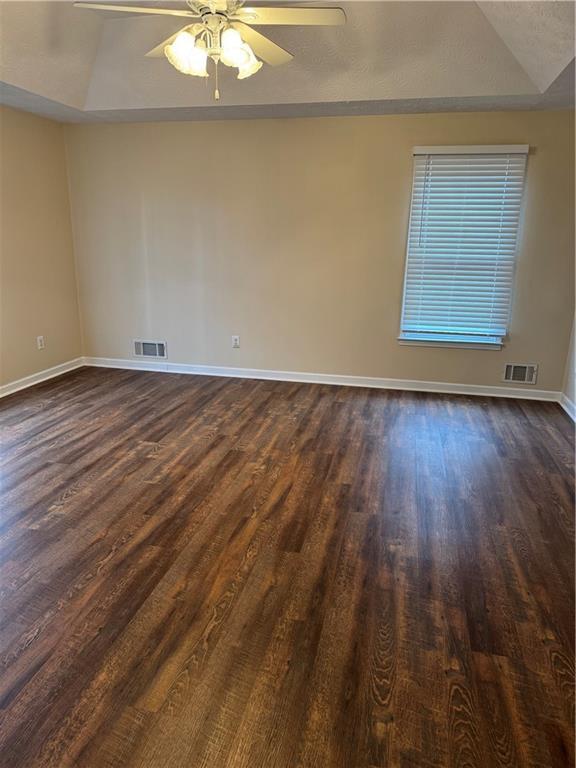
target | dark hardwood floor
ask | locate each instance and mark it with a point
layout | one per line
(215, 573)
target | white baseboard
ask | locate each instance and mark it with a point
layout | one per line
(327, 378)
(293, 376)
(568, 405)
(36, 378)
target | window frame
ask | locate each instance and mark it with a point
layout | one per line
(455, 340)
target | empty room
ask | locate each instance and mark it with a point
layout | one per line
(287, 384)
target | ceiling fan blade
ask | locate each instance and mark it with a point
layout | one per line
(298, 16)
(263, 47)
(136, 9)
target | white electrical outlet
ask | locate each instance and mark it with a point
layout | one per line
(40, 343)
(235, 342)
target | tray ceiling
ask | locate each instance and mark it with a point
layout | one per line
(79, 65)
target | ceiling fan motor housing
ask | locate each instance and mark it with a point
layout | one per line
(208, 14)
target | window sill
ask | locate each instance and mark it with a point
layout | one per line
(465, 342)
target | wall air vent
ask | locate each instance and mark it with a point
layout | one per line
(524, 373)
(150, 348)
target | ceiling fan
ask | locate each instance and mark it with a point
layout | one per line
(221, 30)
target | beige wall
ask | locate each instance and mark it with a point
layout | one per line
(292, 233)
(37, 278)
(569, 388)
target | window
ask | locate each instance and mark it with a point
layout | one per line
(462, 244)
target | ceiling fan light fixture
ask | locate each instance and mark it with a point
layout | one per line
(252, 66)
(220, 31)
(188, 55)
(236, 57)
(235, 52)
(231, 39)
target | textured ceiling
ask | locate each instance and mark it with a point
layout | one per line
(76, 64)
(540, 35)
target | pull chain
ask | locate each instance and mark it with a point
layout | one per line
(216, 89)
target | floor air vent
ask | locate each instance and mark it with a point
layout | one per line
(522, 374)
(150, 348)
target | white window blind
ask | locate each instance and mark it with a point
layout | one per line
(462, 243)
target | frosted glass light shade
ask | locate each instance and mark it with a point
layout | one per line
(231, 39)
(237, 57)
(251, 67)
(235, 53)
(188, 55)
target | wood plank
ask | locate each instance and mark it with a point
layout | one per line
(201, 572)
